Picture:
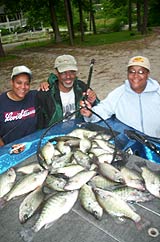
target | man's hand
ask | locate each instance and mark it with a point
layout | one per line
(84, 111)
(91, 96)
(44, 86)
(1, 142)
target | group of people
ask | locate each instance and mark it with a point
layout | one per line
(136, 103)
(23, 111)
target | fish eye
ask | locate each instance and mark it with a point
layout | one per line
(25, 217)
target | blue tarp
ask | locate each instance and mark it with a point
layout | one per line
(32, 141)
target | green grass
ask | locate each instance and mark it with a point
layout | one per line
(107, 38)
(7, 58)
(90, 40)
(38, 43)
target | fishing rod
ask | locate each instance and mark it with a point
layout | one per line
(143, 140)
(89, 78)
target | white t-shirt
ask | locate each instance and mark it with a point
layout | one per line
(68, 103)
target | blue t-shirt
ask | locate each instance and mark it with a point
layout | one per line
(17, 118)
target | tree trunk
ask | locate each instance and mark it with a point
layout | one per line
(129, 15)
(69, 19)
(2, 53)
(145, 17)
(138, 16)
(81, 19)
(92, 19)
(54, 22)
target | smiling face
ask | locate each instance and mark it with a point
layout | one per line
(20, 86)
(137, 77)
(66, 80)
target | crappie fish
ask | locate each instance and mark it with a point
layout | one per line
(79, 180)
(60, 161)
(66, 138)
(89, 202)
(74, 142)
(152, 181)
(26, 184)
(132, 178)
(96, 150)
(85, 145)
(103, 136)
(55, 183)
(103, 182)
(103, 155)
(106, 157)
(82, 133)
(105, 145)
(7, 181)
(70, 170)
(47, 152)
(30, 204)
(63, 148)
(57, 205)
(115, 206)
(130, 194)
(30, 168)
(109, 171)
(82, 159)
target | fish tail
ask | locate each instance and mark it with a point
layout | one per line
(3, 202)
(142, 224)
(27, 235)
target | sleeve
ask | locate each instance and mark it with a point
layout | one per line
(105, 108)
(51, 79)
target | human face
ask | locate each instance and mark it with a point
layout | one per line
(66, 80)
(137, 77)
(20, 87)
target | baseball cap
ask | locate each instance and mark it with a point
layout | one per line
(66, 63)
(139, 61)
(21, 69)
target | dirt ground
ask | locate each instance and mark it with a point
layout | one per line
(109, 70)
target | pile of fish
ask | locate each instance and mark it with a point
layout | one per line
(80, 165)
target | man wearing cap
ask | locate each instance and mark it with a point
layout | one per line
(136, 103)
(17, 107)
(64, 94)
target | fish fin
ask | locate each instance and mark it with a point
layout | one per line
(3, 202)
(61, 175)
(49, 225)
(142, 224)
(27, 235)
(114, 187)
(119, 220)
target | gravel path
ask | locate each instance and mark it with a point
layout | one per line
(109, 70)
